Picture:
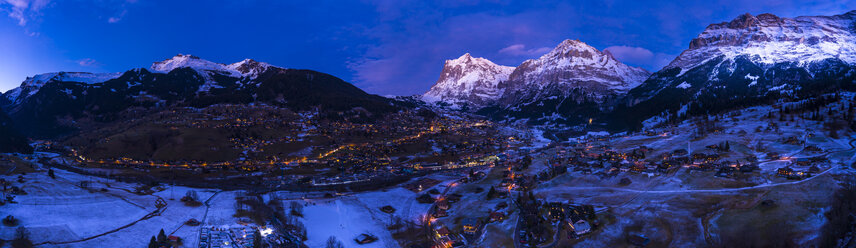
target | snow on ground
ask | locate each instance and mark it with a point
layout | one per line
(58, 210)
(345, 218)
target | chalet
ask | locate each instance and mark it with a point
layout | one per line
(785, 172)
(442, 232)
(680, 152)
(578, 225)
(387, 209)
(726, 171)
(443, 204)
(440, 213)
(747, 168)
(773, 155)
(496, 216)
(556, 210)
(803, 161)
(365, 238)
(638, 240)
(471, 225)
(425, 198)
(707, 166)
(813, 148)
(454, 198)
(502, 194)
(504, 183)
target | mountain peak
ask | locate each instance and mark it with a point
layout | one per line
(249, 67)
(768, 38)
(185, 60)
(468, 79)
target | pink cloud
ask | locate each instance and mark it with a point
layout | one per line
(520, 50)
(639, 56)
(88, 62)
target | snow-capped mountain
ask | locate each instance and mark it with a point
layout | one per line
(556, 85)
(571, 65)
(749, 59)
(469, 80)
(31, 85)
(53, 104)
(245, 69)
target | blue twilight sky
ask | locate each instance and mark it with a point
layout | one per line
(387, 47)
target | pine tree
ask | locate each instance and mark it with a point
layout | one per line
(491, 193)
(153, 243)
(161, 236)
(257, 239)
(51, 173)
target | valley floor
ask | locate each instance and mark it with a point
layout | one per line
(679, 208)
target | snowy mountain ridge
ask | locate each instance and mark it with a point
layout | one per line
(31, 85)
(246, 70)
(571, 64)
(751, 60)
(770, 39)
(574, 64)
(469, 80)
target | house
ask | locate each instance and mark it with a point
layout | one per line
(454, 198)
(442, 232)
(387, 209)
(440, 213)
(638, 240)
(365, 238)
(556, 210)
(803, 161)
(502, 194)
(471, 225)
(727, 172)
(747, 168)
(443, 204)
(504, 183)
(496, 216)
(578, 225)
(785, 172)
(773, 155)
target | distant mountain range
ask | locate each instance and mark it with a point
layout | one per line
(746, 61)
(53, 104)
(572, 78)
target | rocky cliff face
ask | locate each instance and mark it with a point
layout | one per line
(571, 66)
(751, 59)
(572, 80)
(469, 81)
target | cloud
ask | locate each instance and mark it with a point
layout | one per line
(520, 50)
(88, 62)
(639, 56)
(24, 10)
(630, 54)
(118, 17)
(404, 54)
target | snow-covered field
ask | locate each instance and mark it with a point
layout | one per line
(59, 213)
